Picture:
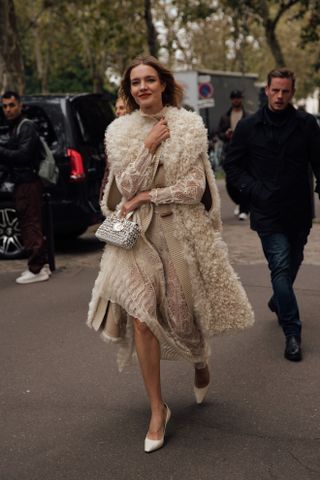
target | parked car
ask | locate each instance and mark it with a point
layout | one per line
(73, 127)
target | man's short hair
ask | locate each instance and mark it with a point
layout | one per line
(10, 94)
(281, 73)
(236, 94)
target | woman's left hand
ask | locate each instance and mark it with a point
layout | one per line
(134, 203)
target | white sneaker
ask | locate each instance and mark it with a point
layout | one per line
(242, 216)
(46, 269)
(25, 272)
(236, 211)
(29, 277)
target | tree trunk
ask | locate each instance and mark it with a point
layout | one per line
(151, 30)
(42, 63)
(97, 82)
(11, 63)
(274, 44)
(41, 43)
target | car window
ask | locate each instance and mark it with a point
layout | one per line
(42, 123)
(93, 114)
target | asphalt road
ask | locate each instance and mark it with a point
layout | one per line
(67, 414)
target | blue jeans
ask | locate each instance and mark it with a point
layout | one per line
(284, 253)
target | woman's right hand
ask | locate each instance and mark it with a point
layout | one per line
(157, 134)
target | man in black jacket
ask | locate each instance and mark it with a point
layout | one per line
(227, 125)
(270, 159)
(21, 156)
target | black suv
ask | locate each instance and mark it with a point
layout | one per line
(73, 127)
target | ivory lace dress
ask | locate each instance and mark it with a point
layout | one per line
(145, 282)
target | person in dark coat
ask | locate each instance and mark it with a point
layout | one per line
(120, 109)
(21, 156)
(227, 124)
(270, 158)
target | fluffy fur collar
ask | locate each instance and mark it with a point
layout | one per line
(187, 146)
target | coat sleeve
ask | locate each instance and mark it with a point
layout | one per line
(190, 184)
(188, 190)
(314, 150)
(223, 126)
(130, 178)
(24, 150)
(105, 179)
(236, 160)
(130, 162)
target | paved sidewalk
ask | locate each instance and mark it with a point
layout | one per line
(67, 414)
(244, 244)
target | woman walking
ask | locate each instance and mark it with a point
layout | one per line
(175, 288)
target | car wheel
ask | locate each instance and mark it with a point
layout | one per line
(10, 235)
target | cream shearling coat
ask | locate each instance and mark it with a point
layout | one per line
(219, 300)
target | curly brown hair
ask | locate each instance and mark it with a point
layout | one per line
(173, 93)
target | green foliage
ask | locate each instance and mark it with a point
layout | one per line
(284, 31)
(194, 11)
(81, 45)
(311, 31)
(67, 42)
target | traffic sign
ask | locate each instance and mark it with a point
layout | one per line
(205, 90)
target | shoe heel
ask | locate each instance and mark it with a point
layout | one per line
(152, 445)
(200, 393)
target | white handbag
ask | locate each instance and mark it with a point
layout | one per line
(120, 232)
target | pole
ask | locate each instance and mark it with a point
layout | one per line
(48, 229)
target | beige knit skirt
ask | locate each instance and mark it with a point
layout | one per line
(150, 283)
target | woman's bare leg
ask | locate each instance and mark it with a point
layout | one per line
(148, 351)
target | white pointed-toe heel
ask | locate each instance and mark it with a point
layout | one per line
(152, 445)
(201, 392)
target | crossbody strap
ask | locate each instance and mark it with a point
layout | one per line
(24, 120)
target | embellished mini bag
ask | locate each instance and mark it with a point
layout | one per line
(120, 232)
